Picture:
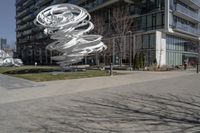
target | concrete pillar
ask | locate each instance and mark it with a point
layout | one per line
(167, 8)
(160, 48)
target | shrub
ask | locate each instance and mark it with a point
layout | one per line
(141, 60)
(30, 70)
(136, 62)
(163, 68)
(155, 61)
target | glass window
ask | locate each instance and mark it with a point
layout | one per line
(149, 22)
(154, 21)
(145, 41)
(177, 47)
(152, 41)
(144, 22)
(138, 42)
(159, 19)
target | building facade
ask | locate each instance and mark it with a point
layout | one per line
(181, 32)
(163, 30)
(3, 43)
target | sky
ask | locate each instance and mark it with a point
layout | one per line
(7, 20)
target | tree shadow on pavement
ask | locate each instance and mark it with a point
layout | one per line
(137, 113)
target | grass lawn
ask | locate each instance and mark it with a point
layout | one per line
(42, 73)
(39, 77)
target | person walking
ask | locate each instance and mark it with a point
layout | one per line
(185, 64)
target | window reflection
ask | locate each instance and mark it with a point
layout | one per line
(180, 49)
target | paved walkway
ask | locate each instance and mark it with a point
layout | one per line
(53, 88)
(8, 82)
(141, 102)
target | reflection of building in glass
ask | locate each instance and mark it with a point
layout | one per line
(165, 30)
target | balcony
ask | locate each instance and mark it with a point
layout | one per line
(22, 40)
(19, 2)
(81, 2)
(19, 8)
(19, 28)
(28, 2)
(197, 2)
(18, 22)
(192, 3)
(73, 1)
(24, 27)
(186, 29)
(32, 7)
(43, 2)
(21, 14)
(27, 32)
(19, 35)
(92, 6)
(27, 18)
(186, 13)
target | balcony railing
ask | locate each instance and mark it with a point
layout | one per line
(24, 12)
(18, 2)
(197, 2)
(19, 35)
(96, 3)
(43, 2)
(27, 32)
(73, 1)
(187, 12)
(187, 28)
(28, 2)
(27, 18)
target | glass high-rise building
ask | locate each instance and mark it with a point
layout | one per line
(165, 30)
(3, 43)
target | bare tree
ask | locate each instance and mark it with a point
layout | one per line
(99, 24)
(121, 22)
(107, 54)
(99, 29)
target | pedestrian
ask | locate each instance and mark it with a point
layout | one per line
(185, 64)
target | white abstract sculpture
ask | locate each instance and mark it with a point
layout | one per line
(69, 24)
(7, 60)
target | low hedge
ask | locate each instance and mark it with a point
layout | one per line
(31, 70)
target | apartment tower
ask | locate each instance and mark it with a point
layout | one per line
(163, 30)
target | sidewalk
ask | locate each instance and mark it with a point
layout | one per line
(10, 82)
(62, 87)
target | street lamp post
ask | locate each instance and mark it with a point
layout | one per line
(130, 49)
(113, 51)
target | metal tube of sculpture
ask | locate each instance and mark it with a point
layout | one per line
(8, 60)
(68, 25)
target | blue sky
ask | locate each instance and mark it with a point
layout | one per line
(7, 20)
